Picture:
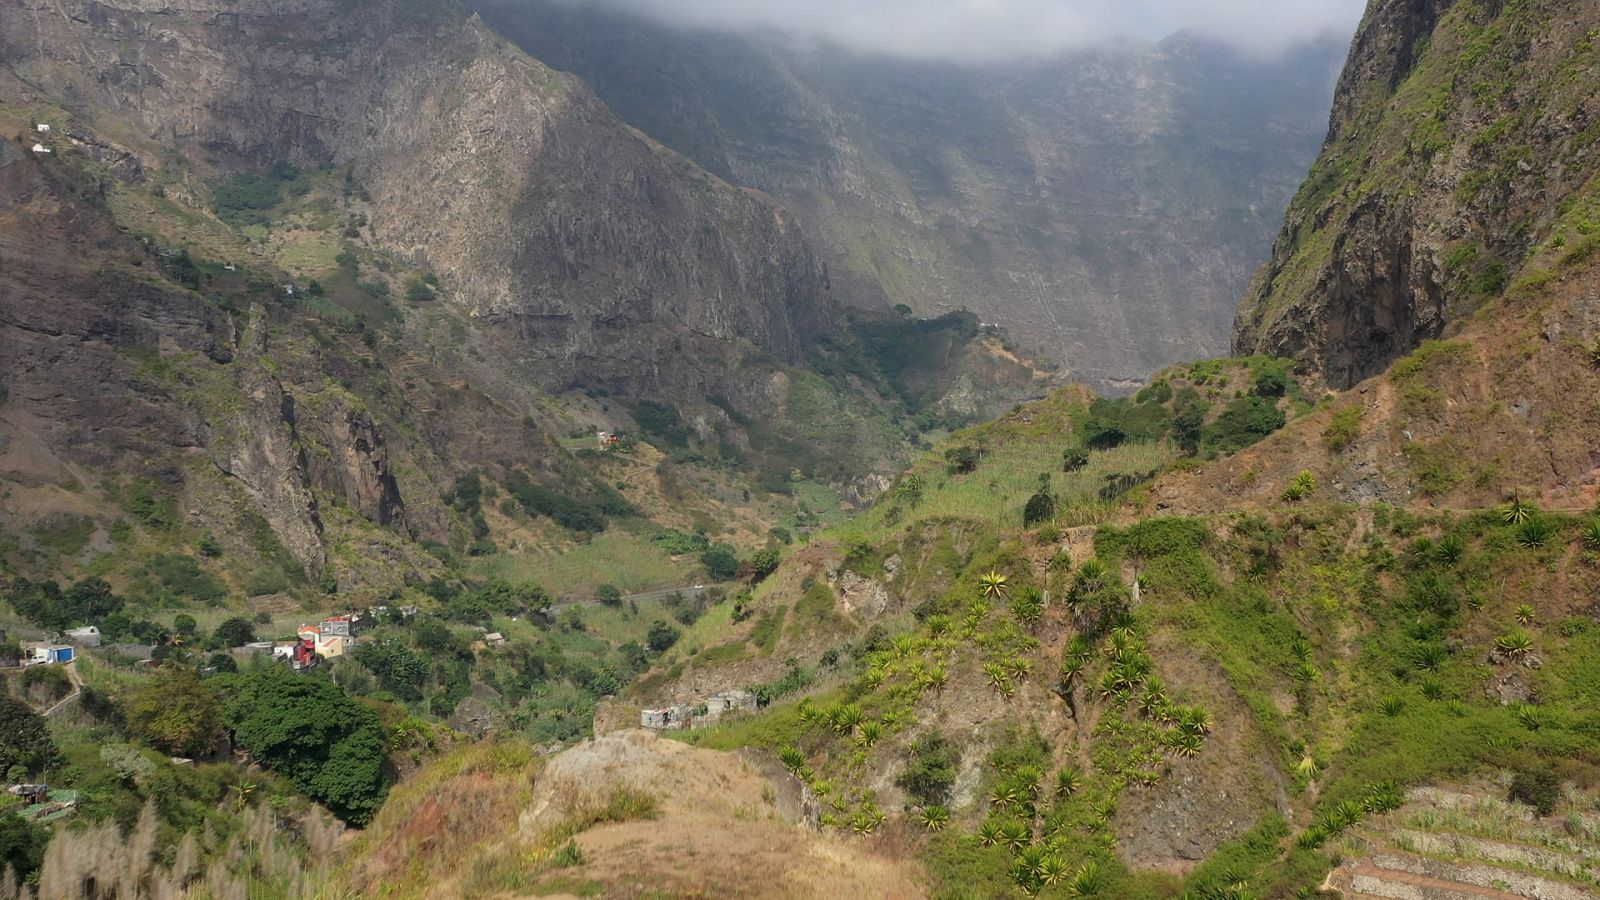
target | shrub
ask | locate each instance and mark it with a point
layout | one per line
(1041, 507)
(1343, 428)
(1245, 420)
(418, 290)
(661, 637)
(961, 460)
(1074, 459)
(1538, 788)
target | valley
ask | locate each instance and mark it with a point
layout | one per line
(532, 450)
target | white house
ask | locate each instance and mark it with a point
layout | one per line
(42, 128)
(39, 654)
(40, 148)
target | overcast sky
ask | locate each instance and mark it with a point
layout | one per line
(997, 30)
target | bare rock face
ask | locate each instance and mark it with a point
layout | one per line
(258, 446)
(509, 179)
(1457, 131)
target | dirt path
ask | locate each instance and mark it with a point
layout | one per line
(77, 690)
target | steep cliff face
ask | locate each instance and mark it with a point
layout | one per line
(1462, 133)
(510, 180)
(1107, 208)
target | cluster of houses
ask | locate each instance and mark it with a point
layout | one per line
(608, 439)
(43, 130)
(333, 637)
(696, 715)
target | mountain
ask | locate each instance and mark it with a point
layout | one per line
(1107, 207)
(282, 263)
(1460, 146)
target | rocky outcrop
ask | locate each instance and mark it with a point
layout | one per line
(1458, 130)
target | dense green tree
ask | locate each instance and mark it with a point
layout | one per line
(307, 730)
(661, 636)
(21, 845)
(720, 562)
(24, 738)
(764, 562)
(400, 671)
(175, 712)
(236, 632)
(609, 594)
(1188, 421)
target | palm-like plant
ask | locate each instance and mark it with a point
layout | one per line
(1392, 706)
(1515, 643)
(936, 678)
(910, 489)
(998, 679)
(934, 818)
(992, 584)
(1524, 614)
(1015, 834)
(1517, 511)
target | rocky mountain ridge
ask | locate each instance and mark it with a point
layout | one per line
(1108, 206)
(1462, 137)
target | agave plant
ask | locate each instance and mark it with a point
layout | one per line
(1529, 717)
(1053, 870)
(1092, 576)
(1194, 720)
(1524, 614)
(1432, 688)
(1515, 643)
(1183, 743)
(1019, 667)
(1517, 511)
(1015, 834)
(992, 584)
(1005, 795)
(998, 678)
(1428, 657)
(1534, 533)
(1591, 535)
(1392, 706)
(938, 624)
(989, 833)
(1303, 486)
(1308, 767)
(1384, 796)
(1088, 881)
(934, 818)
(792, 758)
(1450, 549)
(868, 734)
(936, 677)
(845, 717)
(1068, 782)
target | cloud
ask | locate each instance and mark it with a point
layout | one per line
(979, 31)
